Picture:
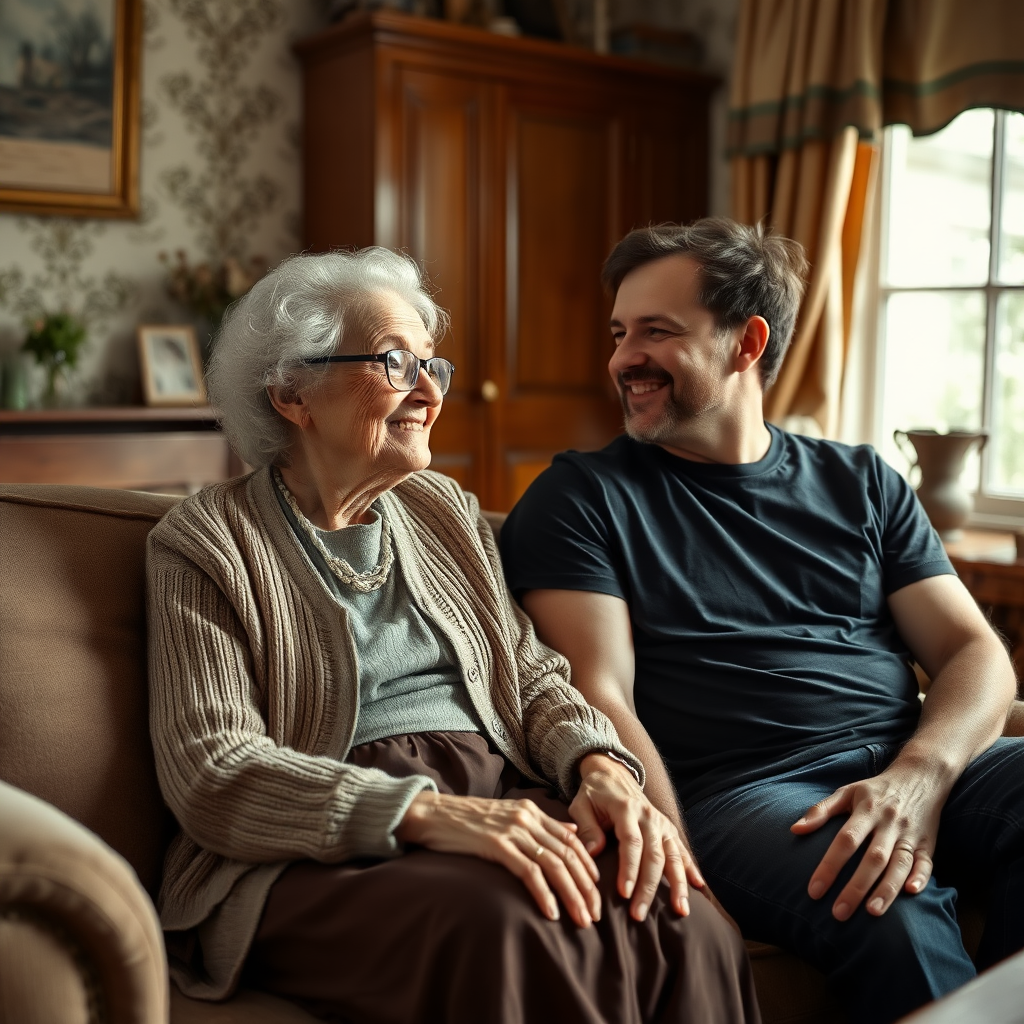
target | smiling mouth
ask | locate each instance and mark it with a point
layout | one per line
(411, 426)
(643, 385)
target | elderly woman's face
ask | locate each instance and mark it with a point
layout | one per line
(358, 416)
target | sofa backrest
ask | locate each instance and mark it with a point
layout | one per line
(73, 694)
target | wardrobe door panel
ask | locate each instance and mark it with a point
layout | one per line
(563, 174)
(440, 155)
(667, 164)
(561, 224)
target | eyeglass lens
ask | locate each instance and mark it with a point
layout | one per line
(403, 369)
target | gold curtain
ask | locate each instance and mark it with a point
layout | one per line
(814, 81)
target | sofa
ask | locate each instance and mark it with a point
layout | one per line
(83, 827)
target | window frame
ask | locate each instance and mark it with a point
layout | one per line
(992, 510)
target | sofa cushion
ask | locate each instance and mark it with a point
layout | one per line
(30, 951)
(73, 695)
(59, 876)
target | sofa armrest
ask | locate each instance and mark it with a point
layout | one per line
(61, 880)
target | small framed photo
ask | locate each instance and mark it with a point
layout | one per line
(172, 371)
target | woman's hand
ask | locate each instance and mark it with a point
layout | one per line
(544, 853)
(650, 846)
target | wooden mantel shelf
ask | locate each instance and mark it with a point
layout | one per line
(137, 447)
(110, 414)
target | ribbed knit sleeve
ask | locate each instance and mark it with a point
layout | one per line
(234, 788)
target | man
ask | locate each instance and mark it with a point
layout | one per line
(748, 603)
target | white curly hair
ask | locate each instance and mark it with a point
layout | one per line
(299, 311)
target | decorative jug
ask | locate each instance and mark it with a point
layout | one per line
(941, 460)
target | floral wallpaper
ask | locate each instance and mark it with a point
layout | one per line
(219, 177)
(220, 174)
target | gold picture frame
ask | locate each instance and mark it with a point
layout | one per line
(69, 116)
(170, 365)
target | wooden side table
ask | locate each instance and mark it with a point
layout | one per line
(138, 448)
(990, 568)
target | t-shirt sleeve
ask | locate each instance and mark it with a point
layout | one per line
(557, 536)
(911, 549)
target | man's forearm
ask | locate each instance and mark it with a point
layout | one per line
(965, 710)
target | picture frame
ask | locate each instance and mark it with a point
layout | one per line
(69, 107)
(170, 365)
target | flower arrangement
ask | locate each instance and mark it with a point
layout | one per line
(207, 289)
(56, 340)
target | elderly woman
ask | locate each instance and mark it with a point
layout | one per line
(390, 796)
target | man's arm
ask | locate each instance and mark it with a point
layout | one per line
(897, 812)
(593, 632)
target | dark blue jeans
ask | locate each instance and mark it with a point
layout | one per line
(880, 968)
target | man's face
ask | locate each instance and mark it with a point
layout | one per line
(670, 362)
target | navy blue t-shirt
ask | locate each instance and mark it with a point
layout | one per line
(757, 594)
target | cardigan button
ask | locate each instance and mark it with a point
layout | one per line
(473, 673)
(499, 728)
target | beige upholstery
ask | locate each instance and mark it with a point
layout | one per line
(72, 661)
(30, 950)
(79, 938)
(77, 928)
(55, 871)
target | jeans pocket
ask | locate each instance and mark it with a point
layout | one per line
(881, 756)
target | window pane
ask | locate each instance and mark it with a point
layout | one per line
(939, 208)
(1006, 445)
(934, 368)
(1011, 247)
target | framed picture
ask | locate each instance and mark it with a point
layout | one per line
(172, 372)
(69, 106)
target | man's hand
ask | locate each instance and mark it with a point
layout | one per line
(650, 846)
(897, 814)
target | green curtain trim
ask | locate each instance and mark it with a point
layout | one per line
(864, 88)
(861, 87)
(992, 67)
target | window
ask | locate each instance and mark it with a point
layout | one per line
(951, 333)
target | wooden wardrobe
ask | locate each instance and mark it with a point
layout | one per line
(508, 168)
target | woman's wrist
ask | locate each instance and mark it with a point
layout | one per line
(605, 760)
(412, 827)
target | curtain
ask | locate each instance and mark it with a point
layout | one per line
(814, 82)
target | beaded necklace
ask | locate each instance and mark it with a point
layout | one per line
(363, 582)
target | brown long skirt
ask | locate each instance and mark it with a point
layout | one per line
(435, 937)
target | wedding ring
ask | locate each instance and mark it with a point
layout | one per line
(540, 850)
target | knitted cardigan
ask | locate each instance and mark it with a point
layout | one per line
(254, 691)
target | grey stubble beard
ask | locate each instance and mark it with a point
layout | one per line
(658, 432)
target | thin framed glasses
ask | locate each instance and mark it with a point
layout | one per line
(402, 367)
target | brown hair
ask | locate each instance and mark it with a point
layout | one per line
(745, 271)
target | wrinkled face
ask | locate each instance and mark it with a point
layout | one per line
(670, 363)
(357, 416)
